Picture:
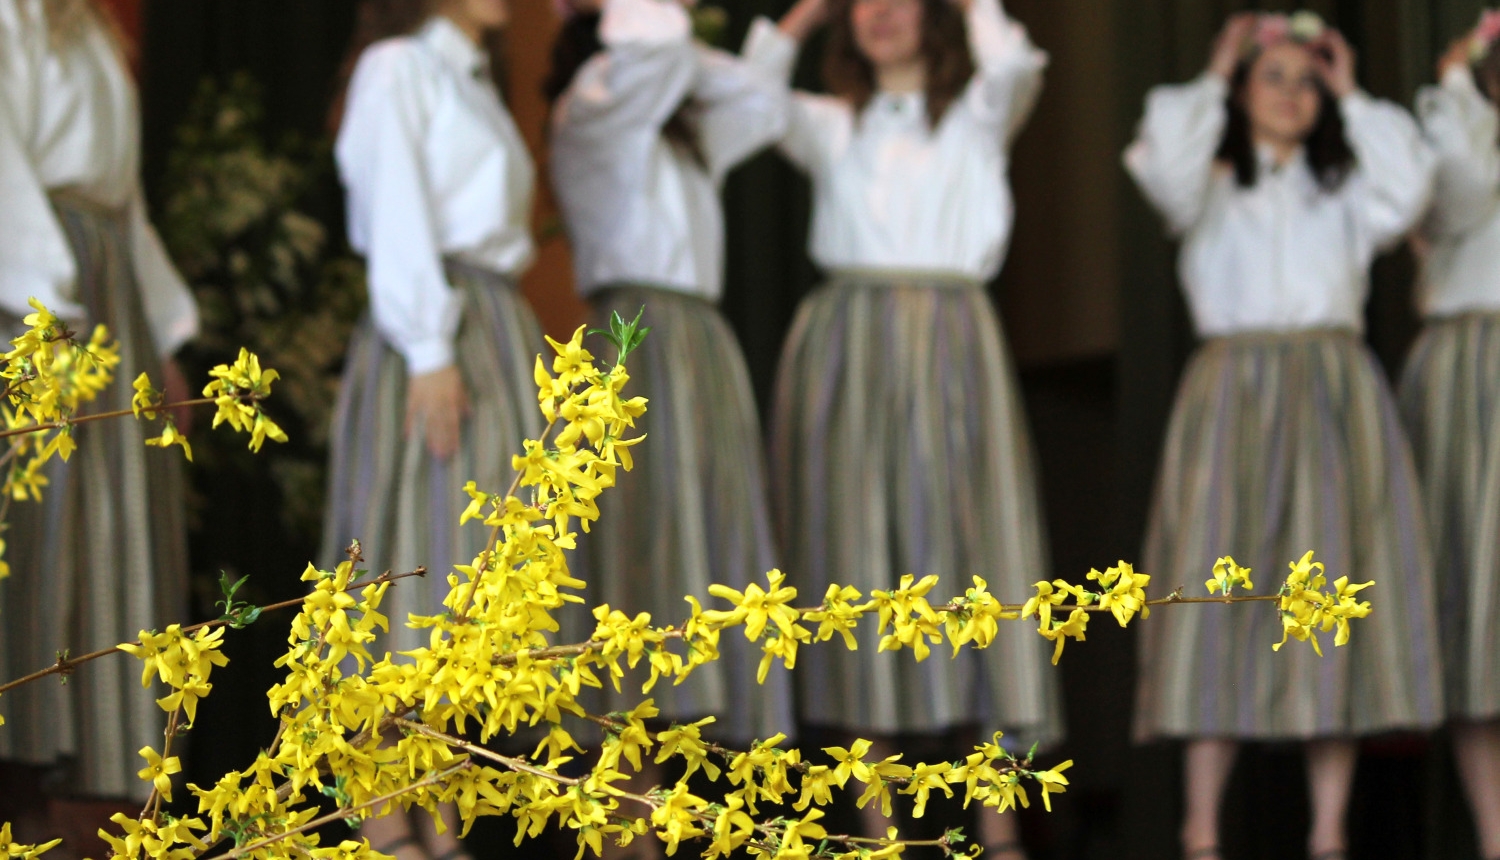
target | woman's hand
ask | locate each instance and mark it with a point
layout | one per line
(802, 19)
(1457, 55)
(436, 405)
(174, 389)
(1337, 66)
(1231, 42)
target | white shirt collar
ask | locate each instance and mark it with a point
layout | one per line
(454, 46)
(1265, 157)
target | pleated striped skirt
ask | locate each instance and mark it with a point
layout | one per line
(899, 446)
(1280, 444)
(384, 487)
(101, 557)
(693, 512)
(1450, 397)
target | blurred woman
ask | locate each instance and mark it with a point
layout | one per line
(1283, 181)
(438, 388)
(1451, 400)
(104, 554)
(898, 443)
(646, 124)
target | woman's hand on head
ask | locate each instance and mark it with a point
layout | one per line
(802, 19)
(436, 405)
(1230, 43)
(1335, 63)
(1457, 55)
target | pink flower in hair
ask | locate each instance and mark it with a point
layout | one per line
(1485, 35)
(1273, 28)
(564, 9)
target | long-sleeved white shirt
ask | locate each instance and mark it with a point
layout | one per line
(69, 120)
(434, 167)
(639, 208)
(1282, 255)
(892, 193)
(1462, 270)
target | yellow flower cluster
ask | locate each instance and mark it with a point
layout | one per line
(1306, 608)
(47, 376)
(1122, 592)
(182, 662)
(377, 732)
(237, 391)
(1228, 576)
(13, 850)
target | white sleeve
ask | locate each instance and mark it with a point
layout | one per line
(1008, 74)
(1172, 158)
(640, 78)
(171, 310)
(814, 123)
(1463, 129)
(35, 258)
(741, 110)
(1393, 181)
(381, 155)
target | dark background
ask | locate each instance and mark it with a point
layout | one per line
(1090, 304)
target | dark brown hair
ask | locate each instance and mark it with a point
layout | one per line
(1328, 151)
(577, 42)
(1487, 73)
(383, 19)
(945, 47)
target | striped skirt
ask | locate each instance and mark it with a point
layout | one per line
(694, 510)
(101, 557)
(1280, 444)
(900, 446)
(1450, 397)
(384, 487)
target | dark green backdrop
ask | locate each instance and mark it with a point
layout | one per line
(1098, 419)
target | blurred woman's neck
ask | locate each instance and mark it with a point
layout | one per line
(468, 26)
(907, 76)
(1281, 149)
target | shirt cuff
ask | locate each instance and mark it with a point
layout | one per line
(425, 356)
(766, 46)
(1459, 79)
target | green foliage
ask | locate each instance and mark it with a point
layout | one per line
(267, 275)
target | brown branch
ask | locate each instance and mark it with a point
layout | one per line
(341, 814)
(66, 665)
(99, 416)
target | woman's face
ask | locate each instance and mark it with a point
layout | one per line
(477, 15)
(887, 32)
(1282, 95)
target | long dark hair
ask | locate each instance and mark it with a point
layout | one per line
(1487, 73)
(577, 42)
(945, 47)
(382, 19)
(1328, 151)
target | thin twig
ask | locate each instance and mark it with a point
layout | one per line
(341, 814)
(99, 416)
(66, 665)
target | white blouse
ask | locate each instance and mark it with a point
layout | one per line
(1282, 255)
(889, 192)
(434, 167)
(69, 120)
(1462, 270)
(639, 209)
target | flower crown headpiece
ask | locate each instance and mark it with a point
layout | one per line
(1486, 34)
(1302, 28)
